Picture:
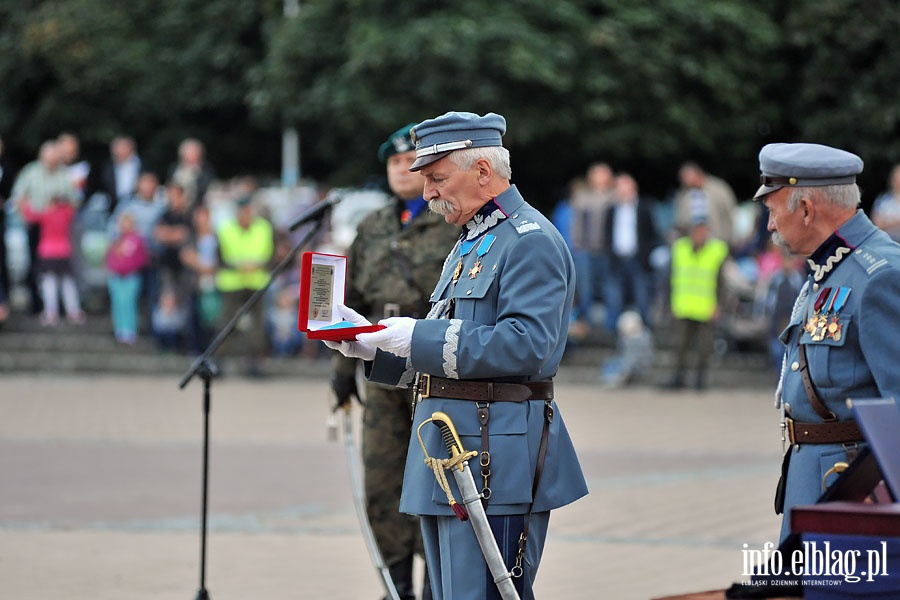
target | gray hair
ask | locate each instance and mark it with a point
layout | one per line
(497, 156)
(841, 196)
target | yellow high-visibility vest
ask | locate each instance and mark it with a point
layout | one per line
(237, 246)
(695, 278)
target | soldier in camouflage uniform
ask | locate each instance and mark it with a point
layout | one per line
(393, 265)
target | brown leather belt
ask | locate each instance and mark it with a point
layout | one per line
(429, 386)
(830, 431)
(833, 432)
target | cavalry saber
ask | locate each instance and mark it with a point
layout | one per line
(359, 503)
(471, 498)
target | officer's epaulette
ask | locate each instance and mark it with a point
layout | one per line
(524, 225)
(870, 261)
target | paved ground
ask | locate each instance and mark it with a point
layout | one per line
(100, 491)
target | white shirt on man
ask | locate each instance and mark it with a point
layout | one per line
(625, 236)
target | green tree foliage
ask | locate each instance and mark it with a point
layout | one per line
(351, 72)
(843, 80)
(158, 70)
(666, 77)
(641, 84)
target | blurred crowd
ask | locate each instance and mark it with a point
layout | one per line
(173, 257)
(176, 255)
(696, 272)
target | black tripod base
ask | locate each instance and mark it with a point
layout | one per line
(202, 594)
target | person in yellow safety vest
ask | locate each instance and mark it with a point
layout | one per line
(246, 247)
(696, 286)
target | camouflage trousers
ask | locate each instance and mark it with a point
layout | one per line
(386, 425)
(249, 337)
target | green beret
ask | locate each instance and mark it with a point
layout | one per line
(399, 141)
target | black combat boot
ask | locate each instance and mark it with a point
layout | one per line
(700, 381)
(401, 573)
(676, 383)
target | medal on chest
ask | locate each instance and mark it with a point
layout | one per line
(481, 247)
(818, 322)
(457, 270)
(836, 302)
(825, 321)
(480, 251)
(834, 329)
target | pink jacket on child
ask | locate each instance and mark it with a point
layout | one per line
(127, 254)
(56, 223)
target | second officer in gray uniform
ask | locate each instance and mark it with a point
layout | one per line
(842, 340)
(485, 356)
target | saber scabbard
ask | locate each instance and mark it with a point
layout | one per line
(458, 464)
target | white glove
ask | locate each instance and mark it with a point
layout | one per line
(396, 337)
(353, 349)
(356, 349)
(350, 315)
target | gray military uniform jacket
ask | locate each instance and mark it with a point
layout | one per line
(510, 313)
(857, 358)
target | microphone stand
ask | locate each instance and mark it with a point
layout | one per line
(206, 370)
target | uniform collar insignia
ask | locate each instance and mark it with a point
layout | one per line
(487, 217)
(827, 256)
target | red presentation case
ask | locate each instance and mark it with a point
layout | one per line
(323, 280)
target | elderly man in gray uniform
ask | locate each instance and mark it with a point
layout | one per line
(485, 355)
(842, 340)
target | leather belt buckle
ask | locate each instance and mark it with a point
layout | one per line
(423, 387)
(790, 427)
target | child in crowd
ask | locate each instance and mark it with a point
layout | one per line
(201, 257)
(286, 339)
(169, 321)
(635, 352)
(54, 253)
(146, 206)
(126, 256)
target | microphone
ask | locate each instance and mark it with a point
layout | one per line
(316, 211)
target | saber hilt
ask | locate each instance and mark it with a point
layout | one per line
(458, 458)
(449, 435)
